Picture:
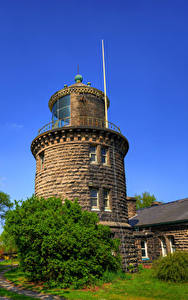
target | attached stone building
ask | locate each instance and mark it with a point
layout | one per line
(159, 229)
(81, 155)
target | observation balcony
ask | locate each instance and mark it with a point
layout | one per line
(81, 121)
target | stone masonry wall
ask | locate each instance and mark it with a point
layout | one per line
(153, 237)
(131, 204)
(86, 105)
(68, 173)
(127, 246)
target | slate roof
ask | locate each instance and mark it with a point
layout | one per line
(171, 212)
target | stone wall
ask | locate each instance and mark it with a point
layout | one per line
(86, 105)
(153, 236)
(68, 173)
(131, 205)
(127, 246)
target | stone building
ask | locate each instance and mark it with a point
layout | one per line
(159, 229)
(81, 155)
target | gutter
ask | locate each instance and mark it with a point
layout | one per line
(162, 223)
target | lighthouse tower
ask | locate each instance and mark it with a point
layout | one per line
(81, 155)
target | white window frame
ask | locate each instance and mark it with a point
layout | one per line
(94, 207)
(106, 199)
(93, 153)
(145, 248)
(172, 245)
(163, 247)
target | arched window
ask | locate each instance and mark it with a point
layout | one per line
(163, 247)
(172, 244)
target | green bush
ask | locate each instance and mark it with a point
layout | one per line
(173, 267)
(61, 245)
(110, 276)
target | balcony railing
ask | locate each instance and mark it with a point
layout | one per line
(79, 121)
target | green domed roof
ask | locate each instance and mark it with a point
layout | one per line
(78, 78)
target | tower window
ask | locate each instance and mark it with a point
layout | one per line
(92, 154)
(106, 200)
(144, 249)
(94, 199)
(41, 157)
(104, 155)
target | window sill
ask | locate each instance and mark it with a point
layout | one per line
(95, 209)
(105, 165)
(108, 209)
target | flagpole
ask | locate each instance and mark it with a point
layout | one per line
(105, 98)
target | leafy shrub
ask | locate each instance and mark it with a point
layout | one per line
(140, 268)
(173, 267)
(61, 245)
(110, 276)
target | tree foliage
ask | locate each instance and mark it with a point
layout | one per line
(7, 243)
(144, 200)
(5, 204)
(61, 244)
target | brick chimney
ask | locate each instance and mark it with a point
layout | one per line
(156, 203)
(131, 206)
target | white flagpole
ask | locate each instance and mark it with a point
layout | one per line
(105, 98)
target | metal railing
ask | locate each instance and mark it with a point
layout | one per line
(79, 121)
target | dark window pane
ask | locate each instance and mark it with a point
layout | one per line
(93, 149)
(103, 159)
(64, 112)
(93, 193)
(103, 151)
(105, 193)
(92, 157)
(64, 101)
(93, 202)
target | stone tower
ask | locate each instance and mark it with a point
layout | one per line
(80, 155)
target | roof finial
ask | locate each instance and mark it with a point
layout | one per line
(78, 77)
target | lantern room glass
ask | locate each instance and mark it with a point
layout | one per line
(61, 109)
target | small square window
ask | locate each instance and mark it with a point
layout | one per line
(94, 199)
(41, 157)
(104, 155)
(92, 154)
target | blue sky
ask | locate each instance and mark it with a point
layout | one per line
(146, 48)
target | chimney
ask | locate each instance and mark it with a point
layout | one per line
(156, 203)
(131, 206)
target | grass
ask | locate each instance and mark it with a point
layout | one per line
(140, 286)
(11, 262)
